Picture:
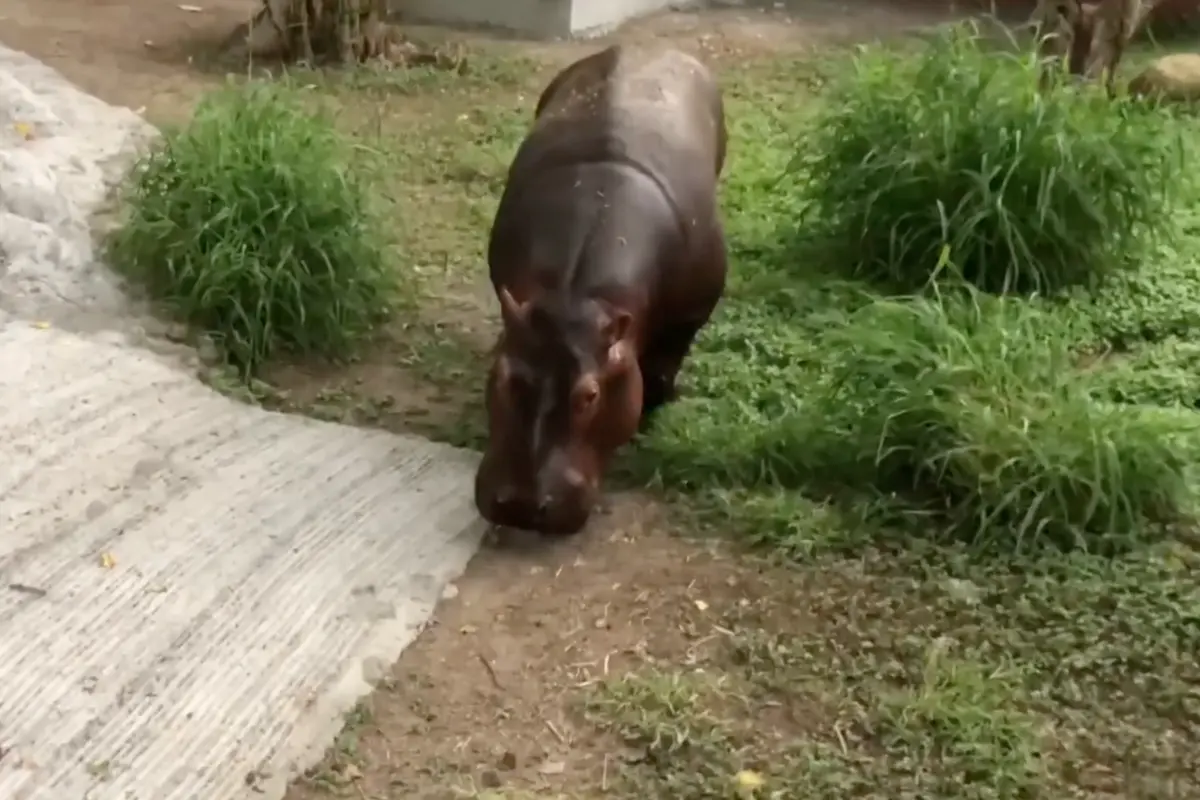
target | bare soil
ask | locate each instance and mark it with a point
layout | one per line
(139, 53)
(488, 698)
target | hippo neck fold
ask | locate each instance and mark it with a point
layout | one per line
(606, 156)
(602, 229)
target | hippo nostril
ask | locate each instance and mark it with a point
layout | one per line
(575, 479)
(505, 499)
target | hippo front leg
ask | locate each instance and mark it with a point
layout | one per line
(666, 352)
(661, 362)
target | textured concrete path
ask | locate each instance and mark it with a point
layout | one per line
(192, 591)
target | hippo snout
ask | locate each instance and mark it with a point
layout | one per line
(510, 507)
(560, 506)
(564, 501)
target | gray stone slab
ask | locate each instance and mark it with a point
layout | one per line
(192, 590)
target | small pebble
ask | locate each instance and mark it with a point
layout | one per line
(963, 591)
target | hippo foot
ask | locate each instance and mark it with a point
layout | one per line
(657, 393)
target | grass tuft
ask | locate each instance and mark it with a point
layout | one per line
(250, 225)
(959, 729)
(957, 147)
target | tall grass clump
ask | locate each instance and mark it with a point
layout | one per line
(250, 225)
(960, 413)
(957, 146)
(968, 409)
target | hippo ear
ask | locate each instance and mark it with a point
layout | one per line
(511, 312)
(617, 327)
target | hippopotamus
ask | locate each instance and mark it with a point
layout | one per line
(607, 256)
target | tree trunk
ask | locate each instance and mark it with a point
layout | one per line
(1090, 37)
(348, 31)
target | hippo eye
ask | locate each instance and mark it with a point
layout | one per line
(510, 373)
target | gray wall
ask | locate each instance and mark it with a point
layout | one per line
(535, 18)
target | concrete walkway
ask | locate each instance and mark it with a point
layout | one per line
(192, 591)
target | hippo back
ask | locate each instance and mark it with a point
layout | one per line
(658, 110)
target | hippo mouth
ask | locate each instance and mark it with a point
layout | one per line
(526, 515)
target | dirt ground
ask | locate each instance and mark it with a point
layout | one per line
(139, 52)
(484, 699)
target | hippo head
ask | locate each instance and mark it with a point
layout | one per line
(563, 393)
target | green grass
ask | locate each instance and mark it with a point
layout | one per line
(927, 674)
(977, 509)
(250, 224)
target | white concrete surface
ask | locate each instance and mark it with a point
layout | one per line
(537, 18)
(192, 591)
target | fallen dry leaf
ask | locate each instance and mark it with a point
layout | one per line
(749, 781)
(41, 325)
(703, 606)
(107, 561)
(24, 130)
(552, 768)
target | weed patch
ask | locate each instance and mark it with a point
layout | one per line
(666, 714)
(250, 225)
(960, 727)
(1157, 301)
(1164, 373)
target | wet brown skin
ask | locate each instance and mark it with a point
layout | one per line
(607, 256)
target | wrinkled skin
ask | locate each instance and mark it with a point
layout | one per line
(607, 256)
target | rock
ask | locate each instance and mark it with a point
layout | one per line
(1174, 77)
(374, 670)
(175, 332)
(207, 350)
(962, 591)
(1175, 12)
